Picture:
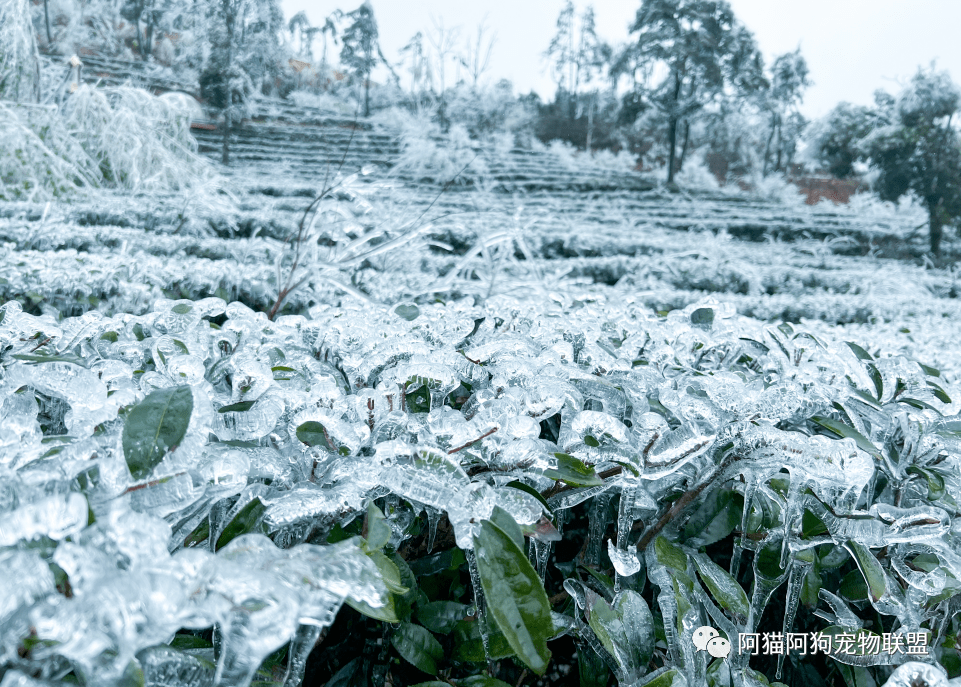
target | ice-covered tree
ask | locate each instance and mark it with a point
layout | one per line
(475, 56)
(562, 52)
(911, 141)
(834, 138)
(917, 150)
(224, 84)
(692, 52)
(788, 79)
(19, 59)
(361, 51)
(594, 57)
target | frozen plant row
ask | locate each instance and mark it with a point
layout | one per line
(163, 474)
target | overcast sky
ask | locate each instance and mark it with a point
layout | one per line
(852, 47)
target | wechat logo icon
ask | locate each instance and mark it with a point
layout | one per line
(708, 639)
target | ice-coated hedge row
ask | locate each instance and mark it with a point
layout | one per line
(161, 474)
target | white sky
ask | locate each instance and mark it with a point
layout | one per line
(852, 47)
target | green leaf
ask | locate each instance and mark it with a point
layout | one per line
(109, 336)
(508, 525)
(870, 568)
(626, 629)
(670, 555)
(846, 431)
(572, 471)
(935, 481)
(768, 561)
(241, 407)
(591, 441)
(441, 616)
(811, 525)
(810, 586)
(378, 531)
(667, 679)
(185, 641)
(605, 581)
(408, 311)
(481, 681)
(385, 613)
(469, 646)
(939, 393)
(312, 434)
(930, 371)
(859, 352)
(515, 595)
(432, 683)
(246, 521)
(156, 426)
(724, 588)
(715, 519)
(418, 647)
(527, 489)
(592, 669)
(389, 572)
(703, 317)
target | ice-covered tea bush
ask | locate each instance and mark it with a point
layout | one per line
(200, 496)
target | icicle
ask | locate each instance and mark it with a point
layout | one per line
(750, 488)
(300, 647)
(795, 579)
(598, 522)
(480, 603)
(542, 554)
(433, 519)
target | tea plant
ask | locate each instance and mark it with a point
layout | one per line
(469, 494)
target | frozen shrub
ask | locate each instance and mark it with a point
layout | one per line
(428, 154)
(140, 141)
(121, 137)
(19, 59)
(439, 490)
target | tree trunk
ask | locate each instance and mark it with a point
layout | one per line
(590, 125)
(687, 139)
(937, 227)
(148, 42)
(767, 150)
(672, 147)
(780, 149)
(367, 96)
(672, 129)
(46, 18)
(225, 153)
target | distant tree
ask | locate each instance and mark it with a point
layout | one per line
(476, 54)
(361, 50)
(702, 51)
(834, 138)
(562, 54)
(788, 79)
(917, 149)
(414, 56)
(224, 84)
(593, 58)
(299, 27)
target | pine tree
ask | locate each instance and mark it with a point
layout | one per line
(361, 50)
(562, 54)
